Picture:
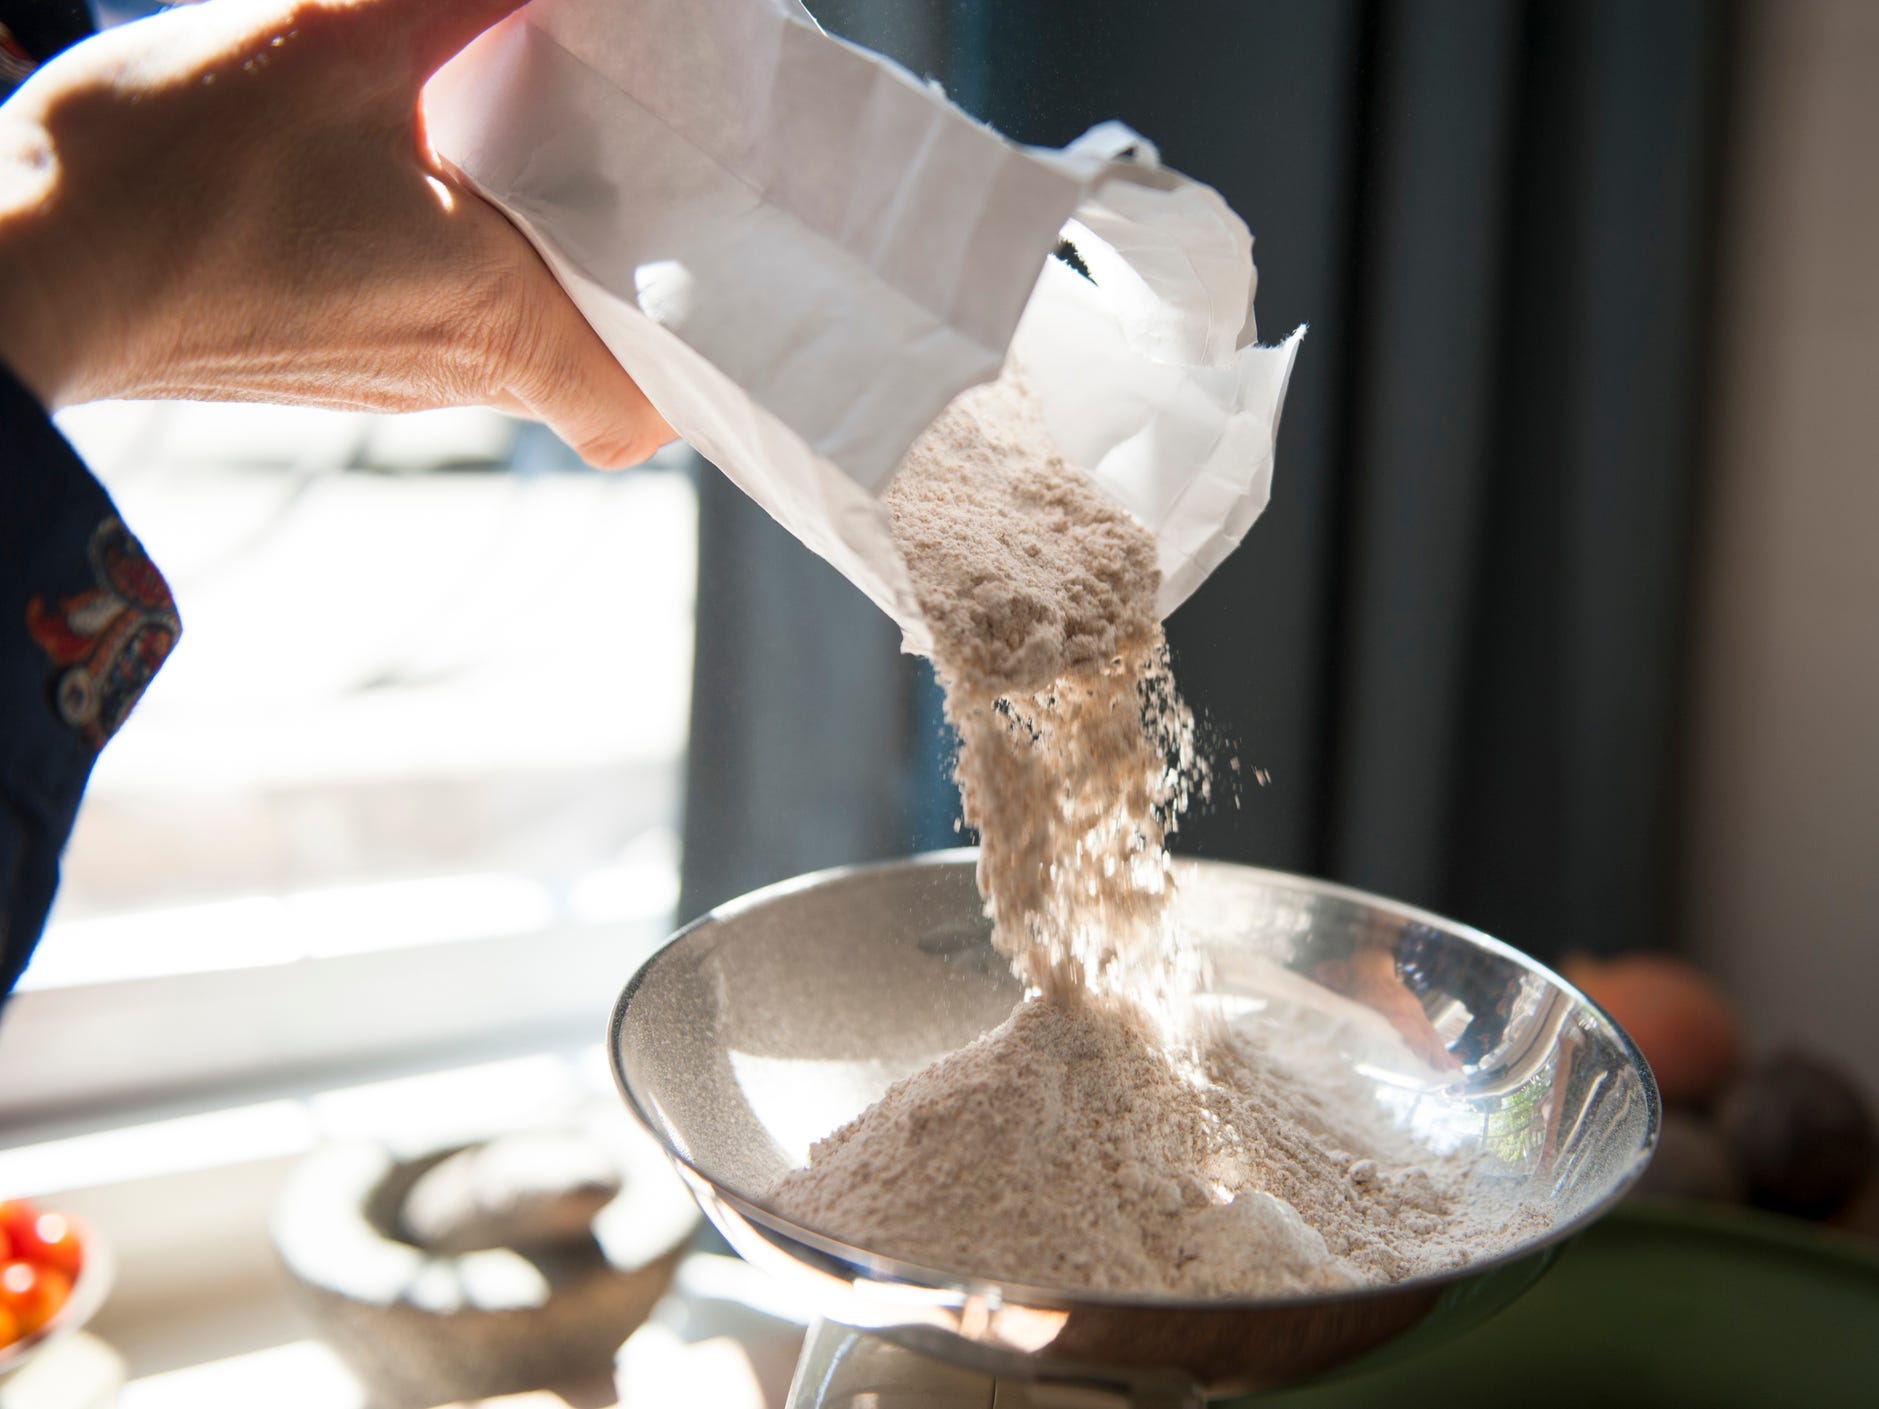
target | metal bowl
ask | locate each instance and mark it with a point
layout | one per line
(779, 1017)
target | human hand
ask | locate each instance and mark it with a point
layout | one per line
(236, 201)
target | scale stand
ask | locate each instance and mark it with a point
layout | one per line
(842, 1368)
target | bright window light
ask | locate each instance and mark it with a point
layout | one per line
(433, 686)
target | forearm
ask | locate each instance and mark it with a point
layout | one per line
(34, 341)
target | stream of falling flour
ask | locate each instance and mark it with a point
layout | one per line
(1076, 756)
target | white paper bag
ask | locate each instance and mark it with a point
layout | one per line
(802, 253)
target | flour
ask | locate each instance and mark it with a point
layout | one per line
(1075, 755)
(1090, 1141)
(1065, 1148)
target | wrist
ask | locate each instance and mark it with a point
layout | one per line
(30, 337)
(57, 336)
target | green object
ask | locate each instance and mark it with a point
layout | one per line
(1663, 1305)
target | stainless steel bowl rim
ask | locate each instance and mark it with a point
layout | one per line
(966, 1285)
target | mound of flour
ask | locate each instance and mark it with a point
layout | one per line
(1066, 1148)
(1077, 1144)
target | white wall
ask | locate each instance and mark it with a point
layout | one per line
(1781, 889)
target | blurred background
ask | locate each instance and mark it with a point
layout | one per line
(1564, 618)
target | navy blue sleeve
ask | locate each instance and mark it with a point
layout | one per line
(85, 621)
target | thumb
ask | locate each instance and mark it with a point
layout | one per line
(565, 376)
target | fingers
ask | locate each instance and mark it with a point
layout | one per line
(548, 363)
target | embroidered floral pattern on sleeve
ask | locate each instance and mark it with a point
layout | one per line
(107, 642)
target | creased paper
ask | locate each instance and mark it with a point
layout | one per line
(802, 252)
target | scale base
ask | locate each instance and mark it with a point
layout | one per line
(843, 1368)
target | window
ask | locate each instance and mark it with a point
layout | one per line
(410, 780)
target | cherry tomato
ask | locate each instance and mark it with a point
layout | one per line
(6, 1246)
(16, 1218)
(33, 1294)
(50, 1241)
(9, 1328)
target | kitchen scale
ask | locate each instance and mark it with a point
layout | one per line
(776, 1018)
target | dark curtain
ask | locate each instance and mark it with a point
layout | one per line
(1454, 640)
(798, 753)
